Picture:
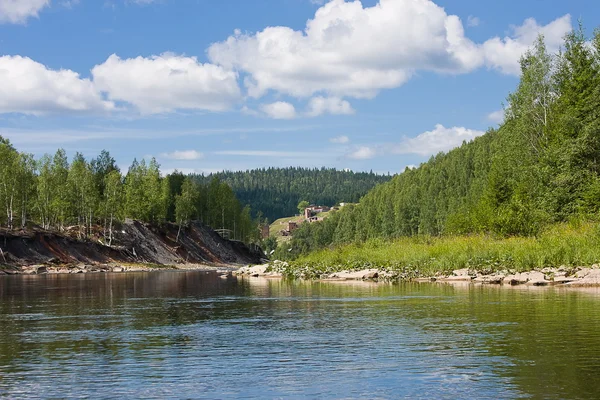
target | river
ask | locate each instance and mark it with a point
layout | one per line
(196, 335)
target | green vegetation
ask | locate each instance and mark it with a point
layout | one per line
(55, 194)
(568, 244)
(276, 192)
(541, 167)
(303, 205)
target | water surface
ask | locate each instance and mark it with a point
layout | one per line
(196, 335)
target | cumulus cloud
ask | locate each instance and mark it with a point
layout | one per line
(279, 110)
(186, 155)
(425, 144)
(166, 83)
(328, 105)
(436, 140)
(19, 11)
(340, 139)
(29, 87)
(351, 50)
(348, 50)
(363, 153)
(503, 54)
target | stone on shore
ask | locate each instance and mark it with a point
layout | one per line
(588, 277)
(257, 271)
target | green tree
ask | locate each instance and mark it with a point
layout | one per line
(185, 204)
(112, 202)
(303, 205)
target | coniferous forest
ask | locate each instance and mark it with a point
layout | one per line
(541, 166)
(276, 192)
(54, 193)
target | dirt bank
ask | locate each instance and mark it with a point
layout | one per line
(135, 245)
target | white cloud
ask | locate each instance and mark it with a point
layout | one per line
(340, 139)
(348, 50)
(436, 140)
(473, 21)
(328, 105)
(183, 155)
(425, 144)
(29, 87)
(496, 116)
(166, 83)
(19, 11)
(279, 110)
(504, 54)
(363, 153)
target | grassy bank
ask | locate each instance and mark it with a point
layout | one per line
(570, 244)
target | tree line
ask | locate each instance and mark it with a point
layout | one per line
(54, 193)
(540, 166)
(275, 192)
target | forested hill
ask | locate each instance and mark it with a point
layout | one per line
(541, 166)
(276, 192)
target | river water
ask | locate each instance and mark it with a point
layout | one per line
(196, 335)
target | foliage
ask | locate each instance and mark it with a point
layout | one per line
(567, 244)
(541, 166)
(303, 205)
(55, 194)
(275, 192)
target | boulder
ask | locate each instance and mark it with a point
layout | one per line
(515, 279)
(461, 272)
(371, 275)
(592, 278)
(490, 279)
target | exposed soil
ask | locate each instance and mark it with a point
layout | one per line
(133, 243)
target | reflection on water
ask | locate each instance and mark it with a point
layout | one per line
(195, 334)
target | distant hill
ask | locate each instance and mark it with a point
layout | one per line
(276, 192)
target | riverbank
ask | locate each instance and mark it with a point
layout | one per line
(562, 246)
(108, 268)
(564, 276)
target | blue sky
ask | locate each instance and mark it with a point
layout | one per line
(233, 84)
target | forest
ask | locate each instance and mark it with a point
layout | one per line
(276, 192)
(53, 193)
(540, 167)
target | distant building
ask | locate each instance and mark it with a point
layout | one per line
(310, 212)
(265, 231)
(292, 226)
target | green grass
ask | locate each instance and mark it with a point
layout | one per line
(569, 244)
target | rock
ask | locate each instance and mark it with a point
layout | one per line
(592, 278)
(371, 275)
(582, 273)
(42, 270)
(490, 279)
(515, 279)
(539, 282)
(461, 278)
(117, 269)
(563, 279)
(461, 272)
